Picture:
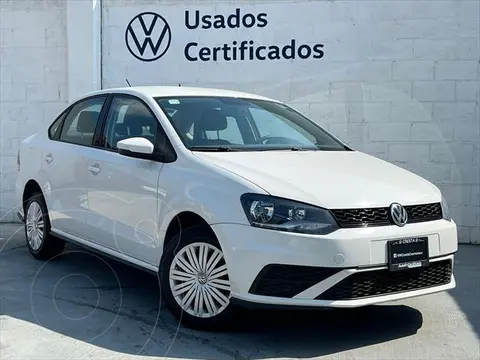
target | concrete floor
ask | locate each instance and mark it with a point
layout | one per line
(81, 306)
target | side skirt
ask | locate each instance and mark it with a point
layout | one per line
(102, 250)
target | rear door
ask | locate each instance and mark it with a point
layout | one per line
(122, 191)
(65, 167)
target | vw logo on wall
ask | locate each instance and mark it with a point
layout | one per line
(399, 214)
(148, 36)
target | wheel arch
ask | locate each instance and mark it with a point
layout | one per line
(31, 187)
(184, 220)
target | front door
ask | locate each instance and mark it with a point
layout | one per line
(122, 191)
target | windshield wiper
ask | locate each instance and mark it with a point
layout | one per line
(332, 148)
(290, 148)
(296, 148)
(212, 148)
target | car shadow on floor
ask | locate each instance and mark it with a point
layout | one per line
(102, 302)
(467, 292)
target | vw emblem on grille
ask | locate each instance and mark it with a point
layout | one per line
(399, 214)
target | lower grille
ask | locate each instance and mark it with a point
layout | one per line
(382, 282)
(288, 280)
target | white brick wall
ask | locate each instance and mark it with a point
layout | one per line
(33, 78)
(456, 70)
(433, 90)
(413, 70)
(399, 80)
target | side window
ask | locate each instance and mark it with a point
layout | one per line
(129, 117)
(80, 123)
(57, 124)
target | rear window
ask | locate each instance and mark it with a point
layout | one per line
(52, 131)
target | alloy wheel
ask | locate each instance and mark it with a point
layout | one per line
(199, 280)
(35, 225)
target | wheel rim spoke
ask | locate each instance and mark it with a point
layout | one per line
(221, 287)
(220, 284)
(195, 258)
(181, 276)
(183, 263)
(38, 241)
(196, 306)
(191, 260)
(183, 287)
(183, 284)
(218, 270)
(217, 295)
(218, 274)
(202, 253)
(213, 261)
(210, 303)
(39, 214)
(33, 209)
(187, 300)
(202, 300)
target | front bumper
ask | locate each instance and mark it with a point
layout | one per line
(311, 297)
(342, 254)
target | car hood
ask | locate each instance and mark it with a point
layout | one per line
(330, 179)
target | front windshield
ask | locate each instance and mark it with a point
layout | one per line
(233, 124)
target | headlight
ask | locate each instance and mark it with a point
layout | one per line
(286, 215)
(445, 210)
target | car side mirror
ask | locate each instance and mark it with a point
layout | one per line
(135, 147)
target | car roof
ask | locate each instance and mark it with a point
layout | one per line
(173, 91)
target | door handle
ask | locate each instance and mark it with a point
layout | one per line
(48, 158)
(94, 169)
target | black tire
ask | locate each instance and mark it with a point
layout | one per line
(49, 245)
(224, 319)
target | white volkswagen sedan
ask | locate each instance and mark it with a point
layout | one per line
(233, 199)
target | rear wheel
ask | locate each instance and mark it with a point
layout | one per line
(195, 282)
(37, 230)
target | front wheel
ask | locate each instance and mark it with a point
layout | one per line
(195, 282)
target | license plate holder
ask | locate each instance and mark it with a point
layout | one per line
(408, 253)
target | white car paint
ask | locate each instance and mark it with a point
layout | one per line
(344, 248)
(122, 206)
(361, 180)
(138, 144)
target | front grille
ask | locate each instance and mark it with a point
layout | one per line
(361, 217)
(288, 280)
(352, 218)
(382, 282)
(427, 212)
